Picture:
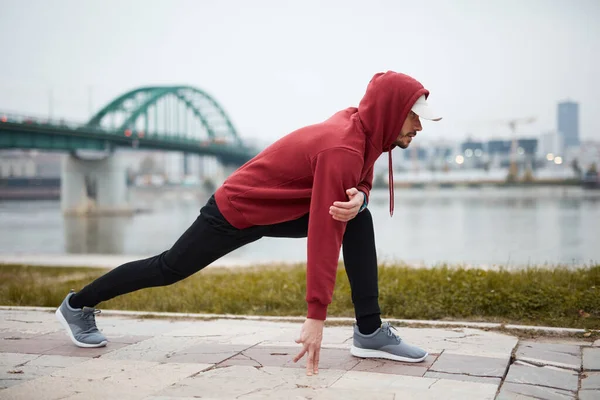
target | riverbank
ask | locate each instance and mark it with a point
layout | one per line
(558, 297)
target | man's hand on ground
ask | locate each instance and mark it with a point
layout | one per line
(311, 336)
(346, 210)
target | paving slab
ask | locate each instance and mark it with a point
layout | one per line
(304, 393)
(590, 386)
(15, 335)
(551, 377)
(333, 336)
(158, 348)
(589, 394)
(54, 343)
(18, 368)
(292, 343)
(338, 335)
(395, 367)
(207, 353)
(242, 332)
(11, 372)
(176, 398)
(518, 391)
(98, 378)
(14, 359)
(31, 345)
(278, 356)
(239, 381)
(68, 349)
(17, 375)
(590, 380)
(113, 338)
(26, 322)
(128, 326)
(591, 359)
(329, 359)
(410, 387)
(239, 359)
(434, 340)
(464, 341)
(559, 355)
(271, 356)
(470, 365)
(56, 361)
(463, 377)
(571, 341)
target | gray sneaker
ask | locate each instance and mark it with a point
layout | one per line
(383, 343)
(80, 324)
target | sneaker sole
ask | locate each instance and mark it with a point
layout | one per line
(77, 343)
(367, 353)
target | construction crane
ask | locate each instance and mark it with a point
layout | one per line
(512, 124)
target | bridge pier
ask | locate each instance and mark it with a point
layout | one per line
(94, 186)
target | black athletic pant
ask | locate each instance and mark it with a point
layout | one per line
(211, 237)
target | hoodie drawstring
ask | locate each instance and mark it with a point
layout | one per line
(391, 183)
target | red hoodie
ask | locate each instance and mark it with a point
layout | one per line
(310, 168)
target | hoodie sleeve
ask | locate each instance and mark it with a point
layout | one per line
(335, 170)
(366, 184)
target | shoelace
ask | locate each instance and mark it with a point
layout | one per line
(90, 319)
(387, 327)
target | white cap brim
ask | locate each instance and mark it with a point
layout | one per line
(423, 110)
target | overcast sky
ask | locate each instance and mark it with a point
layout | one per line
(278, 65)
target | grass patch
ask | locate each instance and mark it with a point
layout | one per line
(536, 296)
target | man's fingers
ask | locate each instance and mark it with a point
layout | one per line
(300, 355)
(341, 216)
(316, 361)
(343, 204)
(338, 212)
(310, 362)
(344, 215)
(351, 191)
(346, 210)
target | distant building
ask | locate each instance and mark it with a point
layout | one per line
(29, 164)
(590, 154)
(471, 145)
(499, 147)
(415, 152)
(441, 152)
(568, 123)
(499, 151)
(527, 146)
(550, 143)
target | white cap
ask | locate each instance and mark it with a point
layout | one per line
(422, 109)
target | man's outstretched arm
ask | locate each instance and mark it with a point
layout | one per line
(335, 170)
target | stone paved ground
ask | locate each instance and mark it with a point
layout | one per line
(178, 359)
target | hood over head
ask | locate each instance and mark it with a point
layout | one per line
(382, 111)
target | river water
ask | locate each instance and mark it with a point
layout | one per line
(486, 226)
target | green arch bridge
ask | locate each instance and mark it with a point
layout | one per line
(169, 118)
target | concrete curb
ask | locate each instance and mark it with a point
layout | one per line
(340, 320)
